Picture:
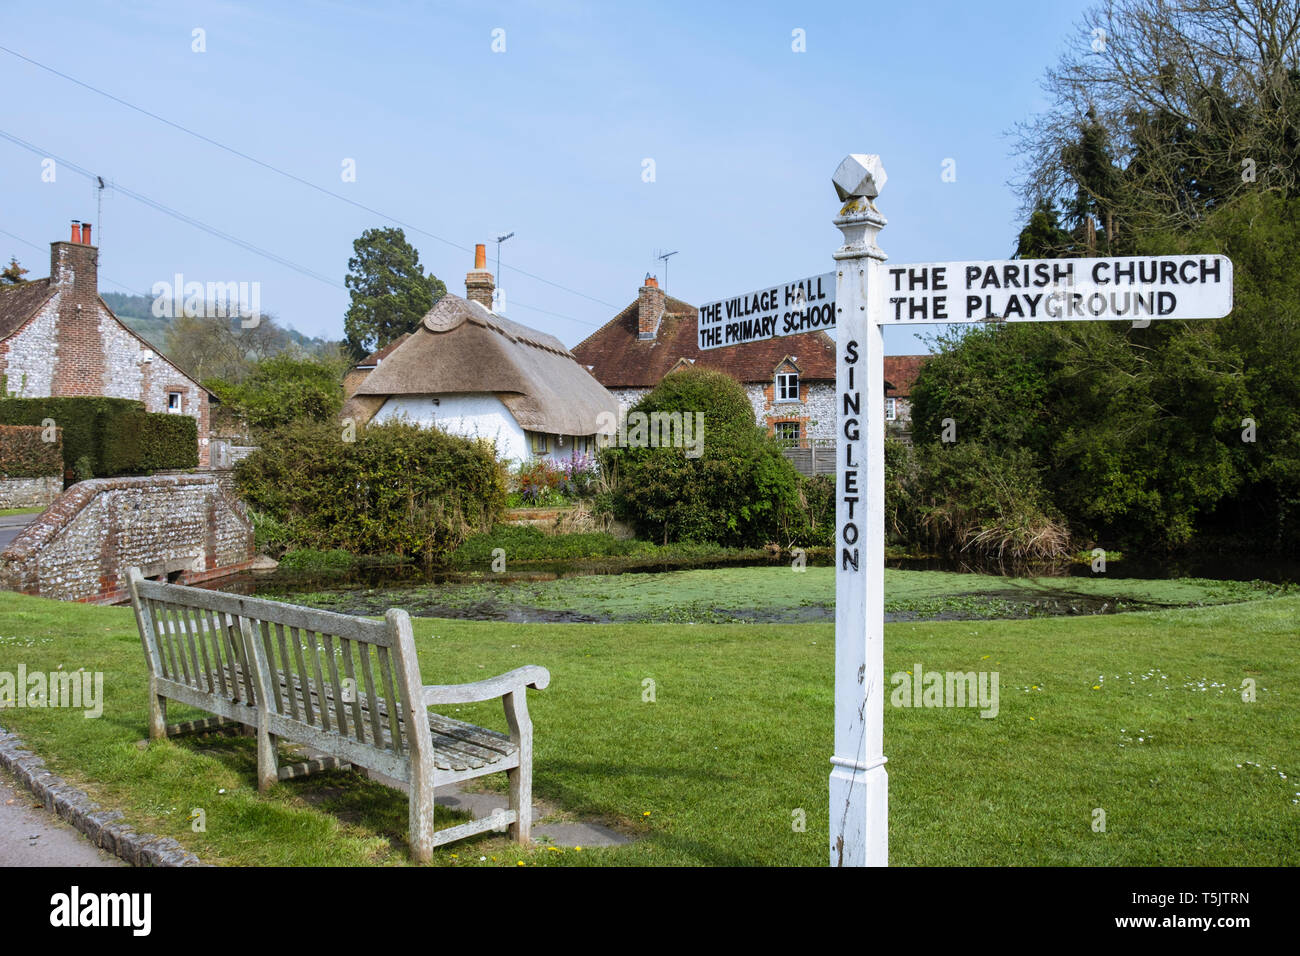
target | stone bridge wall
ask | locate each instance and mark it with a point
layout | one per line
(186, 527)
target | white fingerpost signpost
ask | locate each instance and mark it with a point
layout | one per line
(859, 784)
(859, 299)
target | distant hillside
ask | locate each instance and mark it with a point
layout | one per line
(136, 312)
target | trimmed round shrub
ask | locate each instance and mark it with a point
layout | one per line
(733, 487)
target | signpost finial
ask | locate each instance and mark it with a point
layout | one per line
(860, 176)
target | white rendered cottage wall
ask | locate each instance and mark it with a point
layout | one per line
(472, 415)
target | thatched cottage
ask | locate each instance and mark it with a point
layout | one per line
(474, 373)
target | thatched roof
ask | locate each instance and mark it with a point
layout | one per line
(461, 347)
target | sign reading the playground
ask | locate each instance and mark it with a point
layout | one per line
(1134, 288)
(805, 305)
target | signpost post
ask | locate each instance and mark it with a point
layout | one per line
(859, 299)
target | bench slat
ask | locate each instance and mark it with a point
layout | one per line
(313, 648)
(349, 673)
(375, 726)
(479, 737)
(386, 671)
(340, 708)
(308, 713)
(215, 640)
(285, 667)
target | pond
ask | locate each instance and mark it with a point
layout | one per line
(750, 592)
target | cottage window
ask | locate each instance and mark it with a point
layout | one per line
(891, 409)
(787, 387)
(787, 431)
(175, 403)
(540, 444)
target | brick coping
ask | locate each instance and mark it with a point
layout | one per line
(102, 827)
(68, 505)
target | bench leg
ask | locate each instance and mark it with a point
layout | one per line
(268, 760)
(521, 777)
(421, 815)
(521, 801)
(157, 716)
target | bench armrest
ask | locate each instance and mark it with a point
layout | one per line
(490, 689)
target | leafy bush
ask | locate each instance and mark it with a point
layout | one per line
(397, 489)
(270, 536)
(975, 500)
(25, 454)
(740, 491)
(523, 543)
(284, 389)
(311, 561)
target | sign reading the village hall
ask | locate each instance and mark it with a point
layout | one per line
(805, 305)
(1059, 290)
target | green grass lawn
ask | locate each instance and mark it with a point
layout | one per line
(1137, 714)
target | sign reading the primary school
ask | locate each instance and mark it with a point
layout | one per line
(1059, 290)
(805, 305)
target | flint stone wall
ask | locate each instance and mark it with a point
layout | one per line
(29, 492)
(186, 527)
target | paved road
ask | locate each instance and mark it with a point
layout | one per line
(10, 525)
(29, 836)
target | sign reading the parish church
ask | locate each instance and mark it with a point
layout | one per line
(1060, 290)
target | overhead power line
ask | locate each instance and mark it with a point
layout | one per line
(298, 179)
(213, 230)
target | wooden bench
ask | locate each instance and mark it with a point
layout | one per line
(345, 687)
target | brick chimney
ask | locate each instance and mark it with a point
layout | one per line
(78, 347)
(649, 308)
(75, 261)
(479, 285)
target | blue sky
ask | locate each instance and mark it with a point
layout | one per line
(546, 139)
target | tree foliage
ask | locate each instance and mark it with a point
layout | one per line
(389, 288)
(1164, 110)
(12, 273)
(284, 389)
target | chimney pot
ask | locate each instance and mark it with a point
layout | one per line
(76, 231)
(85, 234)
(652, 282)
(480, 256)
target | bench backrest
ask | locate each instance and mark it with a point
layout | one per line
(332, 674)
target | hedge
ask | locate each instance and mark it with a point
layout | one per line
(78, 418)
(115, 436)
(396, 489)
(143, 442)
(24, 453)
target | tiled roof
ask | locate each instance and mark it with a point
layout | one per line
(901, 372)
(17, 303)
(374, 358)
(619, 359)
